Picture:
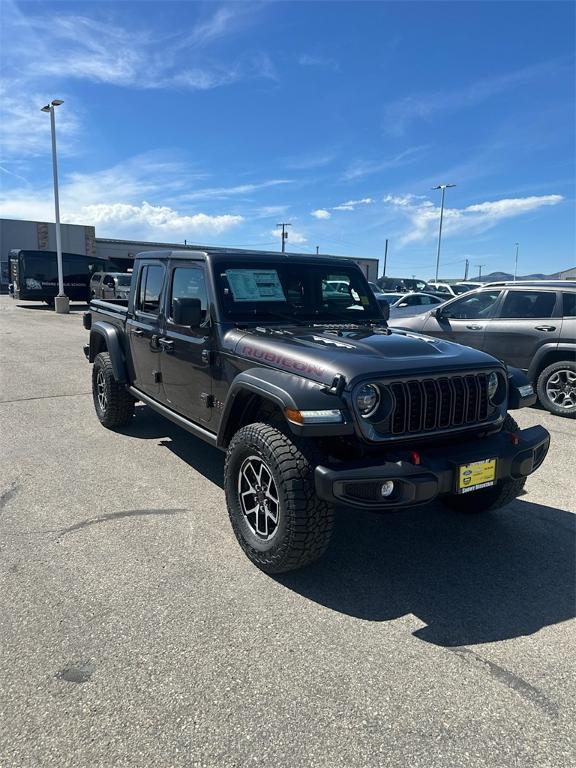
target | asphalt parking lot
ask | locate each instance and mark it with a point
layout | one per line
(134, 632)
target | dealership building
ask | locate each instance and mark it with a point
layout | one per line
(81, 239)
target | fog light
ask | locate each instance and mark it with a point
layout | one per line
(387, 488)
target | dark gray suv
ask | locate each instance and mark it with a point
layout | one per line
(529, 325)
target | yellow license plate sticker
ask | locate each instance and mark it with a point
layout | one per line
(477, 475)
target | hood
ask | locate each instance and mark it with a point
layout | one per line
(321, 353)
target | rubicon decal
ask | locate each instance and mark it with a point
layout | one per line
(282, 360)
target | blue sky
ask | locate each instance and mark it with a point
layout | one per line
(213, 122)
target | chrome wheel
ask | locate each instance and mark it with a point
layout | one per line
(101, 391)
(258, 497)
(561, 388)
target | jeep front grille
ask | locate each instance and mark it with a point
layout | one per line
(432, 404)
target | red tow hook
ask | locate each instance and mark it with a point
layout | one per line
(415, 458)
(514, 438)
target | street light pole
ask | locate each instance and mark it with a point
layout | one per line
(516, 261)
(443, 187)
(61, 302)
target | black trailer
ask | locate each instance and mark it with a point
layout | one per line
(34, 275)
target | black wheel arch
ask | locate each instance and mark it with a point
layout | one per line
(266, 391)
(104, 337)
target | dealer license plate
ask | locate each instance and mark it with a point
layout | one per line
(477, 475)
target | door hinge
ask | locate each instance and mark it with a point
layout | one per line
(207, 399)
(206, 356)
(157, 377)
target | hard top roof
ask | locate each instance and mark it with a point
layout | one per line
(241, 257)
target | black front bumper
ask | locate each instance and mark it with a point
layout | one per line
(358, 484)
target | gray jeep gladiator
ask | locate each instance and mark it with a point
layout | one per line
(315, 401)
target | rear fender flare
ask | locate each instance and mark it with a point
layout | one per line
(109, 333)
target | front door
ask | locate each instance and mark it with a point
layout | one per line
(186, 355)
(526, 320)
(143, 329)
(463, 320)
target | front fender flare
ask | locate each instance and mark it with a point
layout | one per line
(286, 390)
(111, 338)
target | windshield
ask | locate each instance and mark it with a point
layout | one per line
(391, 297)
(123, 279)
(282, 290)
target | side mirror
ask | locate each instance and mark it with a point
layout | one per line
(187, 312)
(385, 308)
(437, 313)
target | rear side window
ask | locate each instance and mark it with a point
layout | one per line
(569, 304)
(528, 304)
(150, 288)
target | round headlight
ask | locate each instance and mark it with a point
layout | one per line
(367, 399)
(492, 385)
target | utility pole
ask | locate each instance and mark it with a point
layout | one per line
(516, 261)
(61, 302)
(284, 224)
(443, 187)
(385, 257)
(480, 269)
(317, 250)
(466, 270)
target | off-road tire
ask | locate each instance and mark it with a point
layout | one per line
(488, 499)
(304, 522)
(118, 408)
(545, 401)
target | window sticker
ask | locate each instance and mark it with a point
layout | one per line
(255, 285)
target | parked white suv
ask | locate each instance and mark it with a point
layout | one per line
(110, 285)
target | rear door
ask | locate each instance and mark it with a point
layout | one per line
(186, 352)
(525, 320)
(143, 328)
(464, 320)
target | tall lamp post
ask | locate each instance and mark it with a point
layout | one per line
(61, 302)
(516, 261)
(443, 187)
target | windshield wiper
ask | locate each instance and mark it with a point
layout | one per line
(292, 319)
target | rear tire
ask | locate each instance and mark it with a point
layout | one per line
(276, 516)
(556, 389)
(113, 404)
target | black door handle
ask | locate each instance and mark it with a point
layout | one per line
(544, 327)
(474, 327)
(166, 344)
(137, 331)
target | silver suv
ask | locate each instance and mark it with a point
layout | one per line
(529, 325)
(110, 285)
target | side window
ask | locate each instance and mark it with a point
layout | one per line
(528, 304)
(189, 283)
(475, 307)
(569, 304)
(150, 288)
(97, 278)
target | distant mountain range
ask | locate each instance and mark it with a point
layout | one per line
(497, 277)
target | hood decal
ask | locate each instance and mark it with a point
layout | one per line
(281, 360)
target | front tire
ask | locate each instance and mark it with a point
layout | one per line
(276, 516)
(556, 388)
(113, 404)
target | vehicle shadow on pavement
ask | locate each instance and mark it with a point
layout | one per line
(148, 425)
(471, 579)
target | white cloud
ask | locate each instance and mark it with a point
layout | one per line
(321, 213)
(158, 218)
(423, 215)
(361, 168)
(324, 62)
(350, 205)
(398, 115)
(240, 189)
(117, 201)
(294, 236)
